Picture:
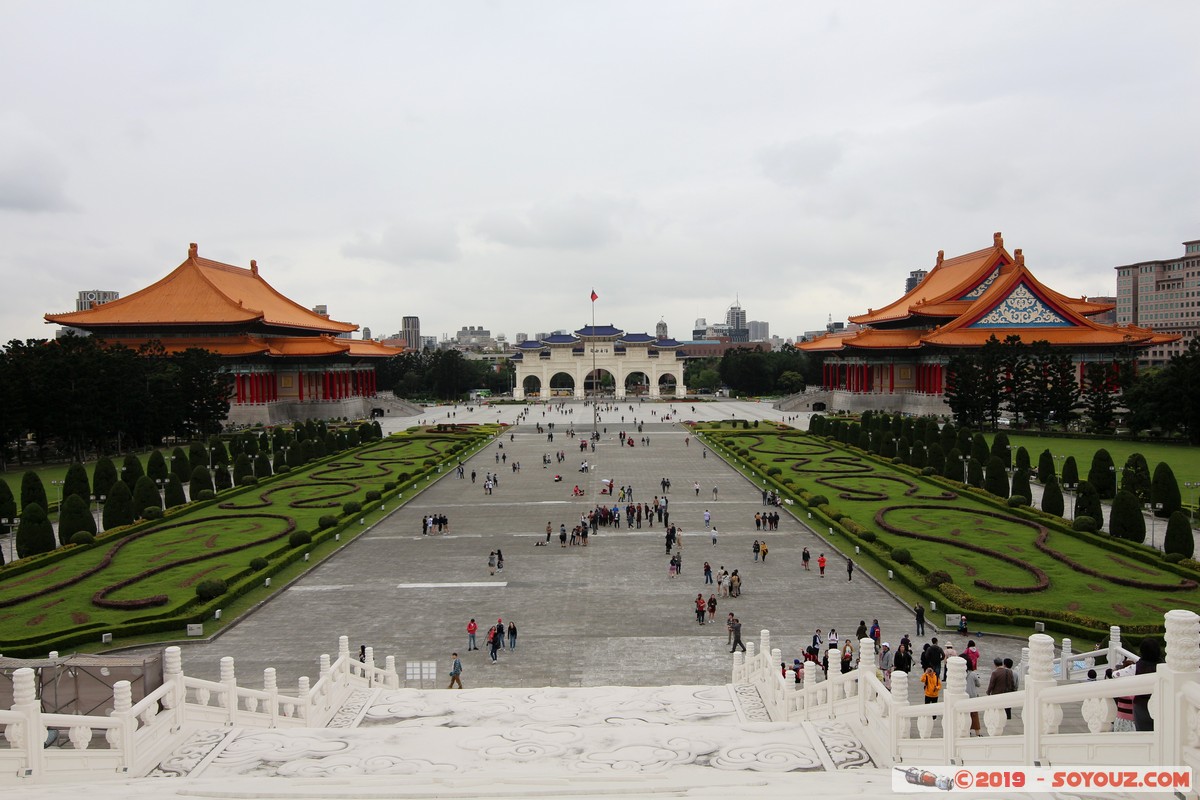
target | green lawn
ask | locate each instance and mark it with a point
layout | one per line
(1002, 559)
(151, 571)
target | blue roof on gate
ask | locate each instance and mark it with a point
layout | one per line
(598, 330)
(560, 338)
(529, 344)
(667, 343)
(637, 338)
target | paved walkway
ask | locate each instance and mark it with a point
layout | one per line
(603, 615)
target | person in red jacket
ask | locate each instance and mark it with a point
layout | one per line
(471, 629)
(821, 564)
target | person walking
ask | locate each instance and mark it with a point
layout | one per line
(707, 519)
(849, 569)
(499, 560)
(804, 557)
(696, 486)
(932, 685)
(729, 628)
(919, 611)
(737, 636)
(455, 672)
(762, 551)
(1002, 681)
(821, 564)
(492, 563)
(500, 633)
(756, 547)
(493, 644)
(512, 635)
(712, 608)
(708, 578)
(471, 630)
(701, 608)
(714, 535)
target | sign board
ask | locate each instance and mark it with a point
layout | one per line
(195, 629)
(953, 620)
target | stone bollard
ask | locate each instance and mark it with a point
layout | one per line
(1039, 676)
(28, 735)
(228, 698)
(175, 699)
(122, 738)
(955, 724)
(764, 637)
(901, 727)
(1065, 659)
(1114, 646)
(392, 679)
(1180, 668)
(305, 694)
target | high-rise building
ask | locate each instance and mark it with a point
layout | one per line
(1163, 295)
(522, 337)
(411, 327)
(366, 332)
(735, 317)
(914, 278)
(429, 343)
(759, 331)
(94, 297)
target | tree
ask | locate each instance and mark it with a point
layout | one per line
(1022, 460)
(131, 470)
(103, 477)
(1062, 394)
(197, 455)
(262, 466)
(790, 383)
(996, 481)
(174, 491)
(1070, 473)
(181, 466)
(118, 508)
(1179, 536)
(1045, 470)
(979, 449)
(76, 482)
(1016, 379)
(1164, 491)
(201, 480)
(74, 516)
(974, 473)
(1126, 520)
(8, 503)
(1103, 474)
(1135, 477)
(955, 468)
(156, 466)
(1052, 497)
(1020, 484)
(1087, 504)
(1098, 396)
(241, 468)
(966, 391)
(1001, 449)
(35, 534)
(937, 459)
(32, 491)
(145, 495)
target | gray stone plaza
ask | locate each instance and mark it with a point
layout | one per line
(607, 614)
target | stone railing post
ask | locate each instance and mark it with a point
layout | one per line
(229, 699)
(122, 737)
(954, 692)
(1182, 662)
(306, 702)
(1022, 666)
(1039, 676)
(1114, 647)
(272, 689)
(776, 695)
(739, 667)
(866, 667)
(898, 726)
(175, 701)
(28, 736)
(343, 651)
(392, 681)
(764, 638)
(1065, 659)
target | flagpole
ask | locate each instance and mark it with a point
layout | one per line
(595, 377)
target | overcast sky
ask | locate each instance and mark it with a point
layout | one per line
(489, 163)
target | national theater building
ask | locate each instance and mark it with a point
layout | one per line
(286, 362)
(894, 358)
(574, 365)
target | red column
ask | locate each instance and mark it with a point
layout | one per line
(892, 378)
(938, 383)
(237, 388)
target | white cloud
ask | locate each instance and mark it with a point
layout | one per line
(407, 242)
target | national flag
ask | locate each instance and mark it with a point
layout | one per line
(595, 296)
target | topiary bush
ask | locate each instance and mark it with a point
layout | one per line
(1173, 558)
(1178, 540)
(936, 578)
(1085, 523)
(351, 507)
(152, 512)
(927, 471)
(773, 471)
(389, 485)
(282, 469)
(299, 538)
(818, 500)
(206, 494)
(326, 522)
(83, 538)
(248, 480)
(1017, 501)
(374, 496)
(259, 563)
(211, 589)
(901, 556)
(868, 536)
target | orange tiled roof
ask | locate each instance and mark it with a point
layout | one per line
(275, 346)
(204, 292)
(975, 291)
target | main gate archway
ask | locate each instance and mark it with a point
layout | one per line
(624, 364)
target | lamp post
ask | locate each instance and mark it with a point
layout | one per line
(161, 495)
(96, 499)
(59, 484)
(964, 461)
(1153, 508)
(1070, 488)
(10, 525)
(100, 513)
(1196, 507)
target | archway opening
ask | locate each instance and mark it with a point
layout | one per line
(667, 386)
(532, 386)
(562, 384)
(599, 382)
(637, 384)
